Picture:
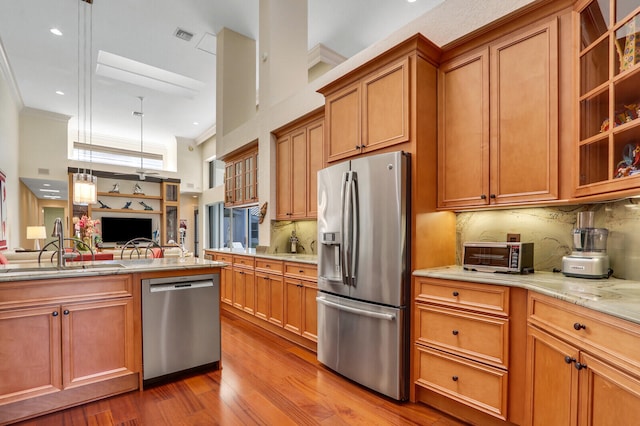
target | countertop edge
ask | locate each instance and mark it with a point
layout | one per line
(612, 296)
(310, 259)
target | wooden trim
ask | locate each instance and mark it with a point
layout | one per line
(240, 152)
(301, 121)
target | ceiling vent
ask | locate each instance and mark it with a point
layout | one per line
(182, 34)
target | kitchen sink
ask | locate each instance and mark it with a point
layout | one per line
(17, 268)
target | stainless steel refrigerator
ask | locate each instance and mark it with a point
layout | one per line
(363, 277)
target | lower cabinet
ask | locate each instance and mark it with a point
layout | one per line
(583, 367)
(462, 344)
(280, 293)
(76, 343)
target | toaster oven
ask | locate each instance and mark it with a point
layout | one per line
(509, 257)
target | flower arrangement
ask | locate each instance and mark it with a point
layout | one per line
(86, 229)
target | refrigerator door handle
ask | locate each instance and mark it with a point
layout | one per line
(355, 225)
(378, 315)
(344, 225)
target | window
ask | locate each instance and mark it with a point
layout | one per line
(216, 173)
(233, 227)
(116, 156)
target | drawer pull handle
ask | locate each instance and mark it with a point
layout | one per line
(454, 378)
(456, 294)
(569, 360)
(580, 366)
(579, 326)
(300, 271)
(455, 332)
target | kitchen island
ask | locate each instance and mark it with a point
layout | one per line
(542, 348)
(73, 335)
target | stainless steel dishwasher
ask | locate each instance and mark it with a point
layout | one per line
(180, 324)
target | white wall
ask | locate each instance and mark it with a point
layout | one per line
(43, 145)
(189, 166)
(10, 105)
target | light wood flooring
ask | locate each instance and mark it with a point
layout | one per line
(265, 380)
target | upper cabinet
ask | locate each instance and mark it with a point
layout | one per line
(370, 113)
(299, 148)
(241, 177)
(498, 121)
(608, 88)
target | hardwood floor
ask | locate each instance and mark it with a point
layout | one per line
(265, 380)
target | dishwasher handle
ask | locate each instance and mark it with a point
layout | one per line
(157, 288)
(357, 311)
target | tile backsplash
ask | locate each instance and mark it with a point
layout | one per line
(306, 231)
(549, 228)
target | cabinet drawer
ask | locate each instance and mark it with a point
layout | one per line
(302, 270)
(243, 261)
(491, 299)
(480, 337)
(598, 333)
(468, 382)
(268, 265)
(227, 258)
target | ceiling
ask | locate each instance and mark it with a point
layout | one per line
(140, 35)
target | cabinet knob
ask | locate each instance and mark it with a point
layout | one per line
(492, 196)
(454, 378)
(66, 312)
(456, 294)
(568, 359)
(580, 366)
(579, 326)
(455, 332)
(300, 271)
(483, 197)
(54, 313)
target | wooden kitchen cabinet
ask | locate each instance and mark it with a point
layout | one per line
(241, 176)
(76, 343)
(244, 287)
(608, 100)
(226, 277)
(299, 148)
(269, 291)
(462, 343)
(369, 114)
(498, 121)
(575, 376)
(300, 299)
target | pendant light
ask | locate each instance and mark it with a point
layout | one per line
(85, 183)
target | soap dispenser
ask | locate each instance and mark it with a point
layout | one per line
(294, 242)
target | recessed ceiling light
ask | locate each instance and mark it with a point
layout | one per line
(59, 92)
(53, 197)
(46, 184)
(55, 31)
(411, 1)
(49, 190)
(195, 123)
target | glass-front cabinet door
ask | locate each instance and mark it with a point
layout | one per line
(609, 96)
(170, 213)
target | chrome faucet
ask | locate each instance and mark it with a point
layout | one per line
(58, 231)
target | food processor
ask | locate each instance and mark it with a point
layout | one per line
(589, 258)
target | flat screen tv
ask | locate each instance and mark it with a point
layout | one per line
(122, 229)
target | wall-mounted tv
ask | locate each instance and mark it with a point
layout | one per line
(122, 229)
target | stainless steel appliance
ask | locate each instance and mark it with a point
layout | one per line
(363, 277)
(180, 324)
(509, 257)
(589, 257)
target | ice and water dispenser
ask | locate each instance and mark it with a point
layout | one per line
(329, 266)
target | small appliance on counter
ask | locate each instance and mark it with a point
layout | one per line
(508, 257)
(589, 257)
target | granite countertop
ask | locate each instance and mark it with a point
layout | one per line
(35, 271)
(616, 297)
(289, 257)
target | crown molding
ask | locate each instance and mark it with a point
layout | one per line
(7, 72)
